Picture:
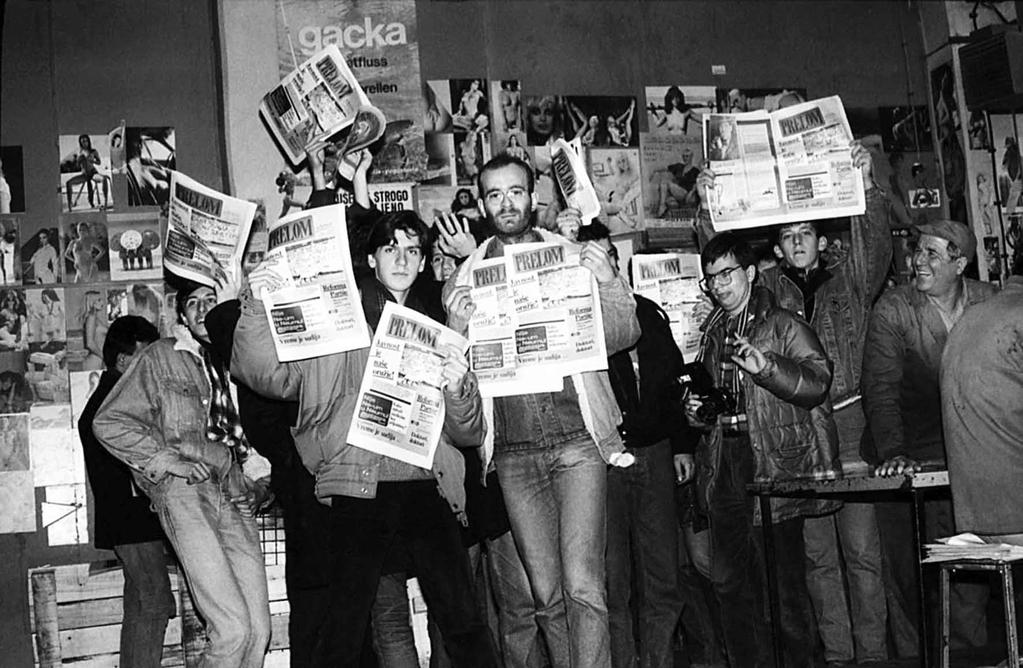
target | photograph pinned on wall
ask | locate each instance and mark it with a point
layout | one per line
(437, 106)
(136, 247)
(115, 139)
(150, 155)
(40, 259)
(14, 450)
(472, 151)
(141, 299)
(740, 100)
(471, 111)
(436, 201)
(993, 258)
(670, 168)
(905, 129)
(1006, 132)
(87, 325)
(676, 110)
(947, 129)
(65, 515)
(12, 180)
(84, 239)
(602, 121)
(508, 120)
(56, 452)
(18, 499)
(10, 250)
(545, 119)
(84, 173)
(440, 159)
(47, 327)
(15, 392)
(976, 129)
(616, 178)
(984, 195)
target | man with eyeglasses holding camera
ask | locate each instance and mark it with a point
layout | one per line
(902, 400)
(772, 422)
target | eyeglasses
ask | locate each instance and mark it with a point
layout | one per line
(497, 196)
(723, 277)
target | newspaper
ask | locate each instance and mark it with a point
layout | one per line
(537, 320)
(313, 103)
(400, 408)
(206, 231)
(574, 182)
(672, 280)
(315, 310)
(786, 166)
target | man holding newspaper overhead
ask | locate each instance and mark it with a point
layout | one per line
(383, 511)
(551, 437)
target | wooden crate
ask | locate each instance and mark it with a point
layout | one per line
(75, 616)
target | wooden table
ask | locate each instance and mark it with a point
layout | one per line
(915, 486)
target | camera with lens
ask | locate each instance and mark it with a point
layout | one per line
(715, 401)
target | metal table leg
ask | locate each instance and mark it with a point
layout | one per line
(918, 518)
(772, 578)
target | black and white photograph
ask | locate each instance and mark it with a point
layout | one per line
(135, 246)
(440, 159)
(722, 141)
(670, 167)
(40, 257)
(948, 123)
(14, 450)
(509, 125)
(150, 154)
(616, 178)
(47, 325)
(1006, 132)
(12, 180)
(437, 106)
(602, 121)
(85, 176)
(906, 128)
(677, 110)
(739, 100)
(10, 250)
(15, 395)
(87, 324)
(472, 151)
(470, 106)
(84, 244)
(141, 299)
(545, 118)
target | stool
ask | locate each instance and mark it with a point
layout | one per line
(1004, 569)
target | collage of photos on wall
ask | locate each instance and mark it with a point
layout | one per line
(61, 285)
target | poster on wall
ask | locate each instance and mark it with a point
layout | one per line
(150, 156)
(546, 119)
(1006, 131)
(87, 325)
(15, 392)
(135, 247)
(676, 110)
(602, 121)
(739, 100)
(947, 129)
(509, 128)
(10, 250)
(84, 239)
(616, 178)
(12, 180)
(379, 39)
(670, 168)
(84, 172)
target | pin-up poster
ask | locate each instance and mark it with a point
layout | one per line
(379, 40)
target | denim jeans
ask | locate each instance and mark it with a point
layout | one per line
(364, 533)
(556, 498)
(148, 603)
(223, 564)
(852, 531)
(393, 640)
(642, 559)
(516, 615)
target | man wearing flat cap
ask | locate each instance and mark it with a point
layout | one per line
(902, 400)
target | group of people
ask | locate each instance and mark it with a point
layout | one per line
(567, 501)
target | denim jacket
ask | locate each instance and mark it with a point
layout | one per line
(597, 403)
(157, 415)
(842, 302)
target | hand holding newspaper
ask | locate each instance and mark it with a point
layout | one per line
(400, 408)
(315, 102)
(672, 280)
(206, 231)
(573, 179)
(312, 302)
(786, 166)
(537, 320)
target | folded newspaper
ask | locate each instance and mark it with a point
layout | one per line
(317, 101)
(206, 231)
(537, 320)
(400, 408)
(314, 309)
(672, 281)
(970, 546)
(786, 166)
(573, 180)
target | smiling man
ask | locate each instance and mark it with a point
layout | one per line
(902, 400)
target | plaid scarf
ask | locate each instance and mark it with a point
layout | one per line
(222, 424)
(728, 376)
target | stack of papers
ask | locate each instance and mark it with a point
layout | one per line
(970, 546)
